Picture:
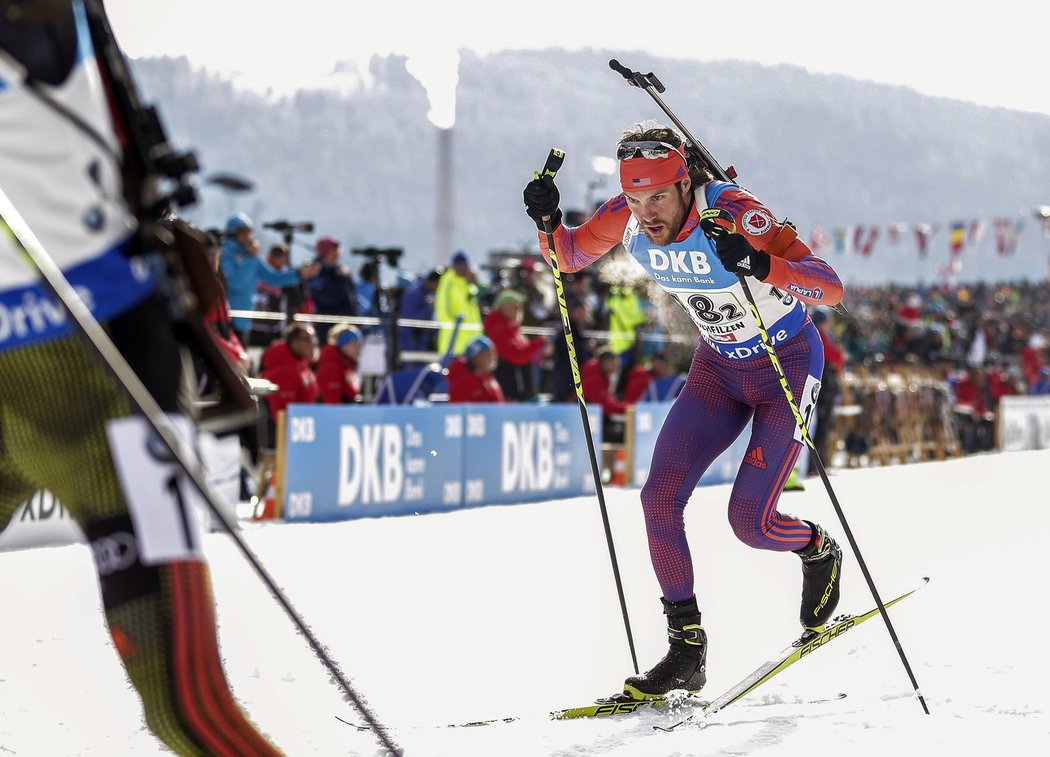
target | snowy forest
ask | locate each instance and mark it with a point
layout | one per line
(360, 160)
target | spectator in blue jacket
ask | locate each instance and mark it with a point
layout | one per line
(244, 269)
(332, 290)
(417, 302)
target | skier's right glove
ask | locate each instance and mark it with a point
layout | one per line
(542, 199)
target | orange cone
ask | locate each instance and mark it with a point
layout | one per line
(266, 508)
(619, 475)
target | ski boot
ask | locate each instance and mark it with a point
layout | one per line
(821, 576)
(685, 664)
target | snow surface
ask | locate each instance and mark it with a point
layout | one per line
(512, 610)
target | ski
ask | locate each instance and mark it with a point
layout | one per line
(624, 704)
(616, 705)
(808, 643)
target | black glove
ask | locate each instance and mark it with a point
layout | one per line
(542, 199)
(735, 252)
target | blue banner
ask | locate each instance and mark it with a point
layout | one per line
(522, 453)
(351, 462)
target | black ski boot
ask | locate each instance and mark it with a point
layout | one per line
(821, 575)
(685, 665)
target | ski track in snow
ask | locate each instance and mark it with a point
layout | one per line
(512, 610)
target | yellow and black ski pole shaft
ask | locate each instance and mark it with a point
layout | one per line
(550, 169)
(654, 87)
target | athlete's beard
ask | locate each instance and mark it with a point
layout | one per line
(671, 225)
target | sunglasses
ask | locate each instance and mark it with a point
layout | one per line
(647, 150)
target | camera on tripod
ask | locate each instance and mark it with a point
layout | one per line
(283, 226)
(392, 254)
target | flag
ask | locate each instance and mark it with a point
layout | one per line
(1007, 232)
(894, 231)
(975, 232)
(864, 239)
(819, 239)
(957, 237)
(1015, 233)
(923, 234)
(839, 233)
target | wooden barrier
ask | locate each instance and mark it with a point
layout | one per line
(892, 414)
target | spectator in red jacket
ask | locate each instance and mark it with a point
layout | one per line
(598, 376)
(515, 372)
(337, 377)
(286, 363)
(641, 376)
(1033, 359)
(470, 376)
(974, 414)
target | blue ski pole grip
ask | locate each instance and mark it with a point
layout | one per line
(553, 164)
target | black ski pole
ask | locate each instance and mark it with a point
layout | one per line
(653, 86)
(550, 168)
(85, 324)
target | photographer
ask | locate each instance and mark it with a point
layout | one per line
(243, 269)
(332, 290)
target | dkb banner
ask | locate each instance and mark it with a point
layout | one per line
(352, 462)
(521, 453)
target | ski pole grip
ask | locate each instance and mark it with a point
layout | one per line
(550, 168)
(623, 71)
(553, 164)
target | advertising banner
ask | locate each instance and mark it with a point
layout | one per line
(522, 453)
(352, 462)
(1024, 423)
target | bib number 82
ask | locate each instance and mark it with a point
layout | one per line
(703, 308)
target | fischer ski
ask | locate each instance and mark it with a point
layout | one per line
(616, 705)
(809, 642)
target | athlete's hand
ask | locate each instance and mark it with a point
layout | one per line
(734, 251)
(542, 199)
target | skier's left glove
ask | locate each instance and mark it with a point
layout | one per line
(734, 251)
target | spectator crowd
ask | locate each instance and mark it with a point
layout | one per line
(496, 331)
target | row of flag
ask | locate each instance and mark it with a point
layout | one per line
(861, 239)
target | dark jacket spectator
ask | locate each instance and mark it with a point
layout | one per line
(337, 377)
(470, 376)
(417, 302)
(333, 290)
(287, 364)
(562, 387)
